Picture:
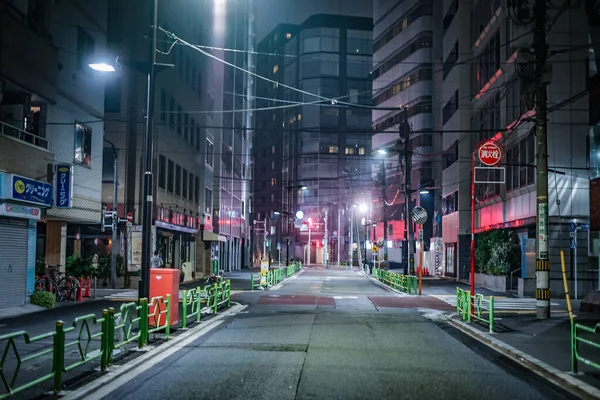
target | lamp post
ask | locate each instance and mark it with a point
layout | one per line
(384, 201)
(287, 244)
(113, 253)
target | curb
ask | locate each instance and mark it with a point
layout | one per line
(280, 284)
(116, 374)
(555, 376)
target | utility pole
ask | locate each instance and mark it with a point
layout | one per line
(339, 236)
(148, 201)
(385, 216)
(115, 226)
(405, 134)
(542, 263)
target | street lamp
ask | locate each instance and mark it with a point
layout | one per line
(382, 151)
(288, 214)
(103, 67)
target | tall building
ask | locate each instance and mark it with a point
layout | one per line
(488, 92)
(182, 156)
(313, 156)
(51, 133)
(406, 43)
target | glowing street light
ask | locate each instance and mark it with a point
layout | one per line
(381, 151)
(103, 67)
(363, 208)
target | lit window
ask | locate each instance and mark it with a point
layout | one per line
(299, 117)
(273, 149)
(273, 181)
(361, 151)
(288, 35)
(349, 150)
(275, 68)
(333, 149)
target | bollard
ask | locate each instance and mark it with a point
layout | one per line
(143, 324)
(574, 347)
(251, 281)
(58, 356)
(111, 335)
(168, 317)
(228, 292)
(184, 311)
(491, 314)
(104, 341)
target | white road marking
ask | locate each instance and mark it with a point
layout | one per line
(345, 297)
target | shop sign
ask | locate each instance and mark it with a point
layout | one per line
(20, 211)
(30, 191)
(64, 186)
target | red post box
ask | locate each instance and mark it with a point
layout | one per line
(164, 281)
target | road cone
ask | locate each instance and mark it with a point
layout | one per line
(88, 283)
(79, 291)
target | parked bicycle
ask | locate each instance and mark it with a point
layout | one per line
(65, 287)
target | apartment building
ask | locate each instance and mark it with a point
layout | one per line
(406, 47)
(315, 157)
(51, 133)
(489, 93)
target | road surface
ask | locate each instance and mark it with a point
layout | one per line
(334, 335)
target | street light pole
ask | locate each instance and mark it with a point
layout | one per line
(113, 253)
(147, 203)
(385, 217)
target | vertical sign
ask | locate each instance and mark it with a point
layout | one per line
(64, 186)
(543, 231)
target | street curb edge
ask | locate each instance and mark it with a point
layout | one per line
(384, 285)
(114, 373)
(546, 371)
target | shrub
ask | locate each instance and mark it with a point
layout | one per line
(496, 252)
(43, 299)
(78, 267)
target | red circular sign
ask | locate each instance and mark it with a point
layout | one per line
(490, 154)
(129, 217)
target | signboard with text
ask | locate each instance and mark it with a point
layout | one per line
(490, 154)
(30, 191)
(64, 186)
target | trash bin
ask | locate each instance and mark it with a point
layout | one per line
(165, 281)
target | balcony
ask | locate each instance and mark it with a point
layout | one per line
(23, 153)
(27, 59)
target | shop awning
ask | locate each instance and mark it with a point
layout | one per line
(213, 237)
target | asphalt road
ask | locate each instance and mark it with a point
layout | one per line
(334, 335)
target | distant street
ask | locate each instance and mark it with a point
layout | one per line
(334, 334)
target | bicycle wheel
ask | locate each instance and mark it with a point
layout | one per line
(67, 288)
(39, 284)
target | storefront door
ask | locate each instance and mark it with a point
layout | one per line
(13, 262)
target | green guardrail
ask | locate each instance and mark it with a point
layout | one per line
(406, 283)
(133, 323)
(480, 309)
(578, 331)
(274, 276)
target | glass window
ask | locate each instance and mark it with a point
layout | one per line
(85, 49)
(162, 172)
(310, 45)
(209, 152)
(330, 64)
(359, 42)
(83, 145)
(359, 66)
(170, 176)
(184, 184)
(197, 190)
(178, 180)
(208, 200)
(191, 186)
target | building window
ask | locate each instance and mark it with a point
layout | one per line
(243, 211)
(272, 165)
(198, 137)
(186, 128)
(349, 150)
(520, 163)
(83, 145)
(361, 151)
(449, 17)
(209, 152)
(450, 155)
(179, 120)
(450, 60)
(401, 24)
(170, 176)
(272, 197)
(191, 187)
(162, 172)
(85, 49)
(333, 149)
(112, 95)
(178, 180)
(275, 68)
(450, 108)
(450, 203)
(273, 181)
(423, 41)
(211, 106)
(197, 190)
(273, 149)
(184, 188)
(208, 198)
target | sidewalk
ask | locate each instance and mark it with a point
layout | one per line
(543, 345)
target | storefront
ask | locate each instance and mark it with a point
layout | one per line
(176, 240)
(21, 203)
(209, 248)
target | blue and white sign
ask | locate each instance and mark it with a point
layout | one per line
(584, 227)
(64, 186)
(30, 191)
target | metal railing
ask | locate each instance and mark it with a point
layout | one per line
(406, 283)
(274, 276)
(97, 338)
(479, 308)
(23, 136)
(577, 333)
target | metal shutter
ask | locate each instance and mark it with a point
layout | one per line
(13, 262)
